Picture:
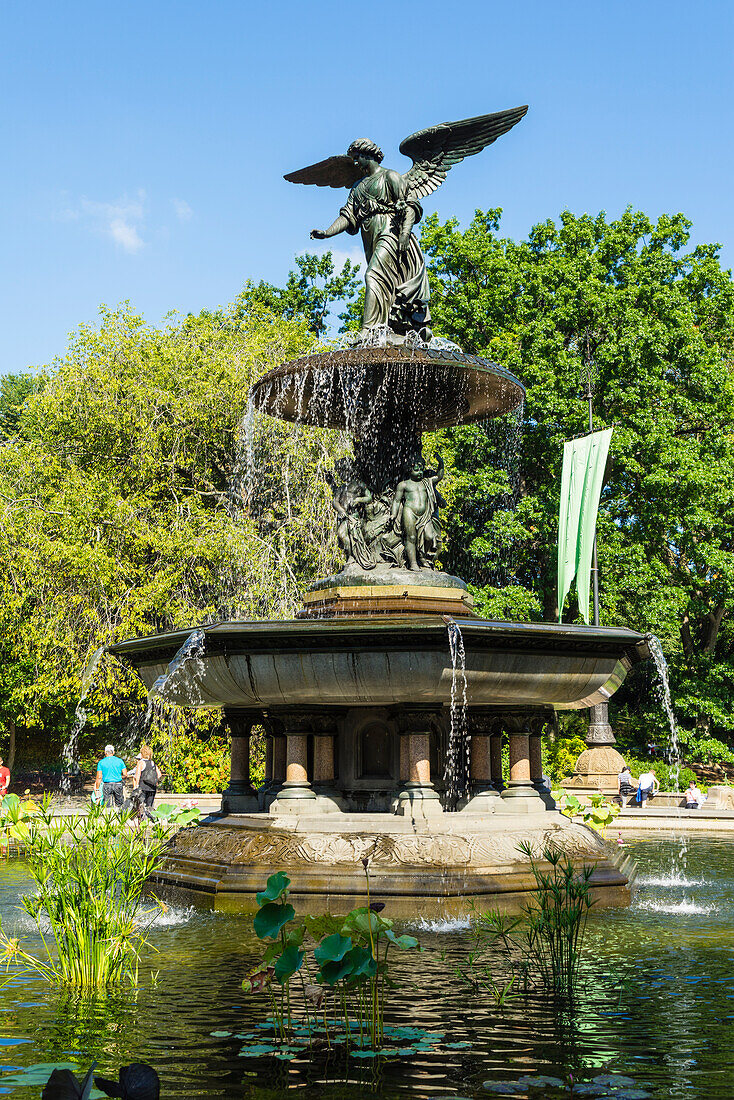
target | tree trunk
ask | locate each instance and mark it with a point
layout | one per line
(11, 748)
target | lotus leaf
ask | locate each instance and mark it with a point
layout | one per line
(463, 1045)
(277, 885)
(332, 949)
(362, 963)
(324, 925)
(220, 1034)
(257, 1049)
(333, 972)
(364, 1053)
(404, 943)
(270, 919)
(288, 964)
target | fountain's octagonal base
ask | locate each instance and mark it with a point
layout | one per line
(453, 855)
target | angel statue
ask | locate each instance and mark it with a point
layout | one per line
(385, 206)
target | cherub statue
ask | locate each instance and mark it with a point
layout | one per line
(385, 206)
(415, 514)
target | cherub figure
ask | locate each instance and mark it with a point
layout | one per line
(415, 514)
(384, 205)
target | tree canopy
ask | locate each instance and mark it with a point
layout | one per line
(138, 494)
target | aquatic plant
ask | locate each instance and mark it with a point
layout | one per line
(90, 874)
(597, 813)
(556, 919)
(545, 944)
(351, 966)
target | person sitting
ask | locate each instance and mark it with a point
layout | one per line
(110, 773)
(694, 796)
(647, 787)
(625, 785)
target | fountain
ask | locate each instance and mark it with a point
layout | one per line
(386, 702)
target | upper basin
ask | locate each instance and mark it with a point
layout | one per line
(369, 662)
(355, 389)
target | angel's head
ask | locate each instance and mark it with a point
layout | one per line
(364, 149)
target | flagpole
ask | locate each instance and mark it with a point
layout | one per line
(600, 731)
(594, 564)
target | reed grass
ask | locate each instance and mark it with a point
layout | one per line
(88, 906)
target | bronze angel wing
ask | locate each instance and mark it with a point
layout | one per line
(435, 150)
(333, 172)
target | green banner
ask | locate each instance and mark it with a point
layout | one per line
(584, 460)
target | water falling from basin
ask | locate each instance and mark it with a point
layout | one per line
(457, 766)
(69, 753)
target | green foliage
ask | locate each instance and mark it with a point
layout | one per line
(657, 323)
(309, 294)
(597, 813)
(89, 873)
(351, 959)
(560, 754)
(545, 945)
(129, 508)
(15, 390)
(710, 751)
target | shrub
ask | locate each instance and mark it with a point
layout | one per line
(560, 756)
(711, 751)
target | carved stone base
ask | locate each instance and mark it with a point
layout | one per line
(234, 803)
(418, 800)
(450, 855)
(598, 769)
(519, 797)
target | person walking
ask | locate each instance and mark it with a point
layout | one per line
(4, 779)
(147, 776)
(625, 786)
(647, 787)
(110, 773)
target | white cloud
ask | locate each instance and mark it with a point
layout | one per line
(122, 221)
(183, 210)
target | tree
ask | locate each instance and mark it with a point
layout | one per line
(129, 507)
(309, 294)
(657, 322)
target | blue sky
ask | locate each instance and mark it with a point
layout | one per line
(146, 142)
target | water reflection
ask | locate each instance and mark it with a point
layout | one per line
(657, 1005)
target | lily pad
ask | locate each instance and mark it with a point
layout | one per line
(540, 1081)
(458, 1046)
(614, 1081)
(220, 1034)
(257, 1049)
(364, 1053)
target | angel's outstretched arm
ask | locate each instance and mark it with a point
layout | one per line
(339, 226)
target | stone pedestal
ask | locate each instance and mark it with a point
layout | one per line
(418, 797)
(599, 765)
(484, 797)
(296, 796)
(328, 798)
(240, 797)
(520, 796)
(536, 772)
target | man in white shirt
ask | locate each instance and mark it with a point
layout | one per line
(647, 786)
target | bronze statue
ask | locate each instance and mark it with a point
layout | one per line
(415, 514)
(385, 206)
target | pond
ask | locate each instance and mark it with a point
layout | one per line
(657, 1005)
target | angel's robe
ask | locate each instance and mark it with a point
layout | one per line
(377, 205)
